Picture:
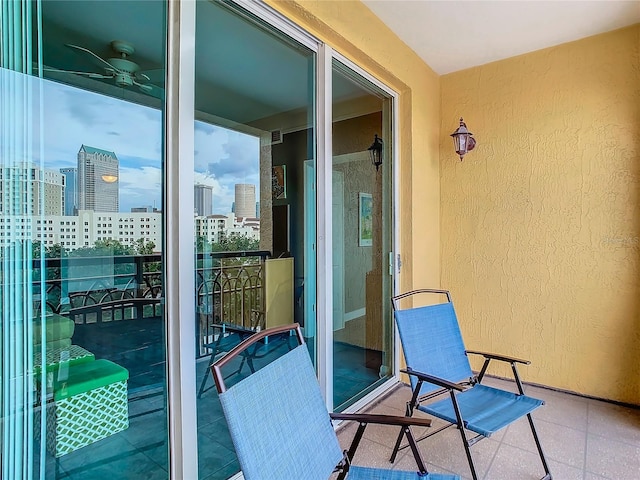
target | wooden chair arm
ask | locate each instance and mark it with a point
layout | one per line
(502, 358)
(382, 419)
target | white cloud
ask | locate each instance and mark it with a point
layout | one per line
(140, 187)
(71, 117)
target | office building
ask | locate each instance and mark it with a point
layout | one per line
(245, 200)
(98, 180)
(203, 200)
(41, 190)
(70, 190)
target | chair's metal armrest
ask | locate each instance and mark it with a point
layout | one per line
(502, 358)
(441, 382)
(382, 419)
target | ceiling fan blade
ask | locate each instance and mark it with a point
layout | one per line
(150, 89)
(155, 75)
(86, 74)
(101, 60)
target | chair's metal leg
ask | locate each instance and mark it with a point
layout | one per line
(542, 457)
(483, 370)
(422, 469)
(408, 413)
(356, 441)
(397, 447)
(205, 377)
(465, 442)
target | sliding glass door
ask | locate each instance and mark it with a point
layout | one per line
(254, 183)
(362, 230)
(96, 358)
(81, 313)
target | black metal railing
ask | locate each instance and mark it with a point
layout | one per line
(116, 302)
(230, 290)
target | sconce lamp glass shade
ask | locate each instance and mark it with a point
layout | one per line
(463, 140)
(109, 178)
(375, 152)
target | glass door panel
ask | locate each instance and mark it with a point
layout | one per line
(254, 194)
(362, 232)
(82, 320)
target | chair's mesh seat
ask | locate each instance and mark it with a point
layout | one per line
(485, 410)
(432, 343)
(366, 473)
(279, 423)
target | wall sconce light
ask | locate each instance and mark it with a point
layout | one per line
(375, 152)
(109, 178)
(463, 140)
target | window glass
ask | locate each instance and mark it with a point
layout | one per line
(83, 328)
(254, 200)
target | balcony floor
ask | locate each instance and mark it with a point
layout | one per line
(583, 439)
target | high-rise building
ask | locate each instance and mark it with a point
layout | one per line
(245, 204)
(27, 189)
(203, 200)
(98, 180)
(70, 190)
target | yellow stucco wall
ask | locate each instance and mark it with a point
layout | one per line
(354, 31)
(541, 223)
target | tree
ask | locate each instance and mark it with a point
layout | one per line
(235, 242)
(143, 246)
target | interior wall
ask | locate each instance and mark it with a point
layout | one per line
(541, 222)
(353, 136)
(354, 31)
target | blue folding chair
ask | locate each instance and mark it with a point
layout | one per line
(281, 429)
(437, 364)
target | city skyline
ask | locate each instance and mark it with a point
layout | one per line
(74, 117)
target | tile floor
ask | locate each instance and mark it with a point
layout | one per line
(583, 439)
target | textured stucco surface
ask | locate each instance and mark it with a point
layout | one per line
(541, 223)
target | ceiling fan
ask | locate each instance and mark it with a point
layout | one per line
(123, 72)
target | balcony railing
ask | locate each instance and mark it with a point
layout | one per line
(230, 290)
(117, 302)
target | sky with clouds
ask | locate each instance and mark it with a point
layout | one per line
(72, 117)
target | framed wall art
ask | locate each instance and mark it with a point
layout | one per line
(279, 182)
(365, 219)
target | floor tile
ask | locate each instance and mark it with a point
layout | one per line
(612, 451)
(374, 454)
(593, 476)
(122, 465)
(612, 459)
(445, 450)
(563, 409)
(614, 421)
(560, 443)
(512, 463)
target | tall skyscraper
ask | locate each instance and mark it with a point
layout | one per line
(203, 200)
(245, 200)
(98, 180)
(70, 190)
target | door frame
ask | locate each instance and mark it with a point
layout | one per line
(326, 54)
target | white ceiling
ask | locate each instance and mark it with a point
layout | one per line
(451, 35)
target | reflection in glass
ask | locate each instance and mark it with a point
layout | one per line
(361, 225)
(254, 200)
(81, 217)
